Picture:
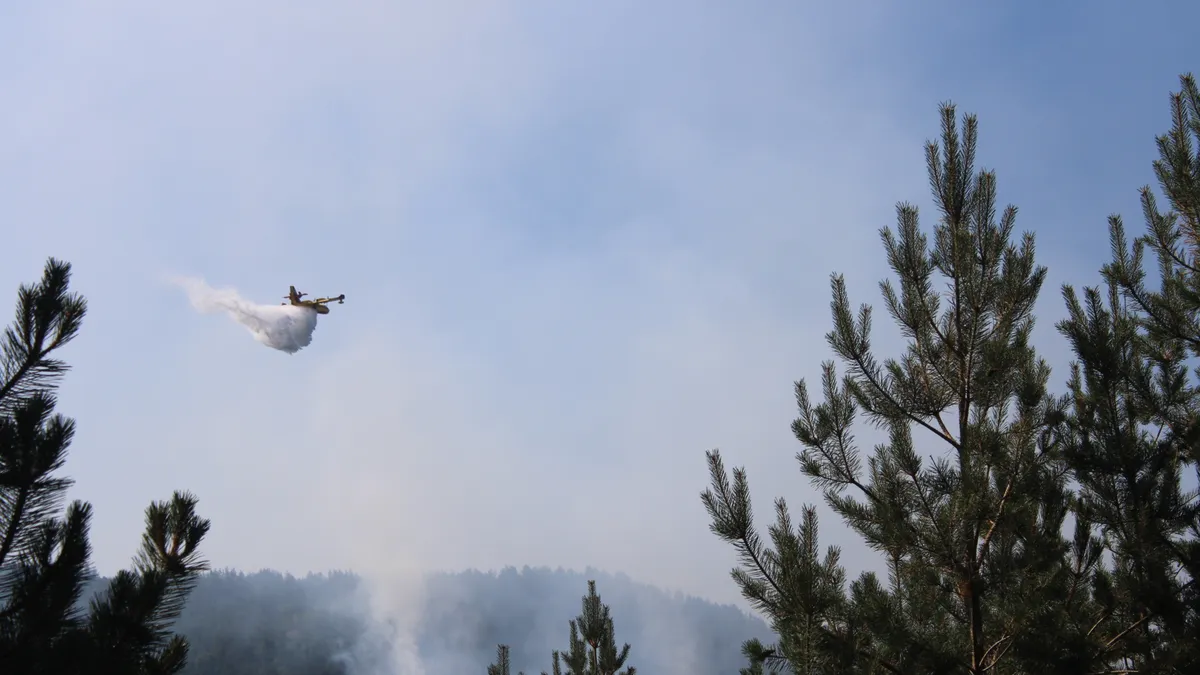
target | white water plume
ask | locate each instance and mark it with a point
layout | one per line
(284, 327)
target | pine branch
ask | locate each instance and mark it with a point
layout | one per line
(873, 379)
(1118, 636)
(46, 311)
(732, 519)
(33, 444)
(1006, 641)
(1104, 616)
(170, 548)
(948, 551)
(884, 663)
(851, 341)
(987, 538)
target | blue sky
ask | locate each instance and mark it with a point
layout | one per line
(581, 243)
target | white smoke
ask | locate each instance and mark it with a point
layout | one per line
(284, 327)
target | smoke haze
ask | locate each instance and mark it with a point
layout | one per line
(284, 327)
(267, 623)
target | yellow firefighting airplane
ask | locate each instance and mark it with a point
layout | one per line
(317, 305)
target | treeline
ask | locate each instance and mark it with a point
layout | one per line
(268, 623)
(1023, 530)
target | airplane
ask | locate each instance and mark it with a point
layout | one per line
(317, 305)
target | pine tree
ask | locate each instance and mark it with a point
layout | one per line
(43, 558)
(1134, 427)
(593, 646)
(501, 666)
(968, 512)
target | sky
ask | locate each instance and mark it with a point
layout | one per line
(580, 243)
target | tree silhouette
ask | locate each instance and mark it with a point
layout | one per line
(593, 646)
(43, 558)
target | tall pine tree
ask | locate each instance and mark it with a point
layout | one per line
(44, 558)
(1134, 428)
(965, 501)
(592, 649)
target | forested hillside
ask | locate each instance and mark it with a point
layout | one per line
(268, 622)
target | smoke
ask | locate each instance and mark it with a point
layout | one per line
(283, 327)
(393, 610)
(404, 622)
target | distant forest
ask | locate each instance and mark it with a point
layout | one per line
(269, 623)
